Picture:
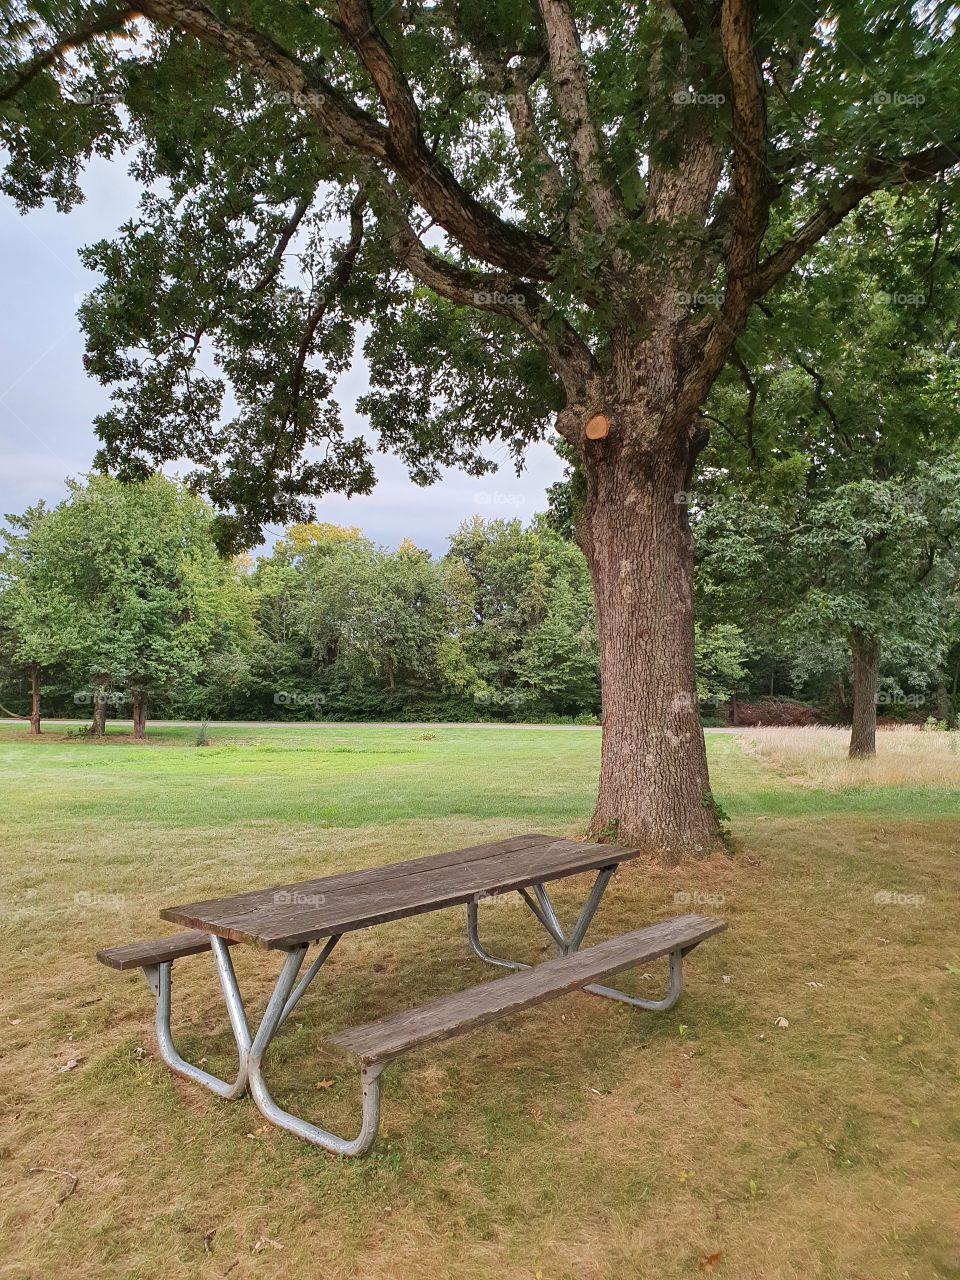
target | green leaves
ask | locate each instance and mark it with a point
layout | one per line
(122, 586)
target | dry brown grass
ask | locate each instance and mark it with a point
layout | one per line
(817, 757)
(577, 1141)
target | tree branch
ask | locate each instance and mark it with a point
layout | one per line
(276, 258)
(749, 206)
(338, 279)
(573, 104)
(480, 231)
(518, 301)
(107, 22)
(478, 228)
(514, 85)
(879, 173)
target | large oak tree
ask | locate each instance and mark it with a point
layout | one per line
(546, 213)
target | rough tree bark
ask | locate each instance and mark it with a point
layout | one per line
(139, 712)
(654, 786)
(34, 698)
(866, 662)
(98, 722)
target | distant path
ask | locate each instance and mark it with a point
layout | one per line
(353, 724)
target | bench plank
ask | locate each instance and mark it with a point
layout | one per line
(450, 1015)
(285, 915)
(134, 955)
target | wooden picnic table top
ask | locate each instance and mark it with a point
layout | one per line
(290, 914)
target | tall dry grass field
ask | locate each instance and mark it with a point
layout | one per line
(817, 757)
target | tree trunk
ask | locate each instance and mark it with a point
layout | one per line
(654, 788)
(98, 724)
(866, 662)
(943, 707)
(139, 710)
(34, 698)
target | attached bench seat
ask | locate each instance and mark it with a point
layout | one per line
(376, 1043)
(141, 955)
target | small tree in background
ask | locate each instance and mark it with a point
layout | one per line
(38, 620)
(870, 565)
(125, 585)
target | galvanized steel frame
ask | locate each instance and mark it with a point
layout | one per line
(287, 993)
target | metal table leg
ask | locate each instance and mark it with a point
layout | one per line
(160, 980)
(278, 1008)
(544, 912)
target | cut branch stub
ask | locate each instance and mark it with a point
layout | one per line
(598, 427)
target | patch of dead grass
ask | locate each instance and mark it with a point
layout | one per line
(817, 757)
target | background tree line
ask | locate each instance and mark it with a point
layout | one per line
(116, 602)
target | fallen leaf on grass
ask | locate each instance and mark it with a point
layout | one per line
(264, 1242)
(739, 1101)
(816, 985)
(69, 1066)
(677, 1082)
(710, 1260)
(323, 1084)
(781, 1022)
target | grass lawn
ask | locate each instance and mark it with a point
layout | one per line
(577, 1141)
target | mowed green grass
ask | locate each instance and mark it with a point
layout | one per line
(580, 1140)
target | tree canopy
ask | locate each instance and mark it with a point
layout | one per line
(498, 203)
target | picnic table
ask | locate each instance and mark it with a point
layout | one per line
(289, 918)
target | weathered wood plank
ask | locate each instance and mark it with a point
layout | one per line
(132, 955)
(346, 881)
(284, 915)
(462, 1011)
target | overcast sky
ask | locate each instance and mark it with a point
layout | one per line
(48, 403)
